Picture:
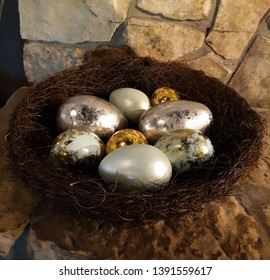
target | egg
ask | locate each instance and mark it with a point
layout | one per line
(164, 94)
(123, 138)
(132, 102)
(77, 146)
(136, 168)
(94, 113)
(169, 116)
(185, 148)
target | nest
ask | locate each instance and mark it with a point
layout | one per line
(236, 133)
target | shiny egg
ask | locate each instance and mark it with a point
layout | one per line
(123, 138)
(136, 168)
(185, 148)
(132, 102)
(164, 94)
(77, 146)
(94, 113)
(169, 116)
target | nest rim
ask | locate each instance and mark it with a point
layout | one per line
(236, 133)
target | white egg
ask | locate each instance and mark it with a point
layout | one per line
(132, 102)
(185, 148)
(78, 146)
(135, 168)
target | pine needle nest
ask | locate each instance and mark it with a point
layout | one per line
(236, 133)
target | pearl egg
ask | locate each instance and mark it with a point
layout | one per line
(185, 148)
(95, 113)
(169, 116)
(132, 102)
(77, 146)
(123, 138)
(136, 168)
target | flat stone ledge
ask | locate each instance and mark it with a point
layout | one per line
(236, 23)
(71, 21)
(180, 10)
(162, 40)
(252, 79)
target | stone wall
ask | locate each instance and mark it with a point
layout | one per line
(228, 39)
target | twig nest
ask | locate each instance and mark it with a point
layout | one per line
(236, 134)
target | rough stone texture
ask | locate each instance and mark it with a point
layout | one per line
(181, 9)
(235, 24)
(252, 78)
(229, 44)
(162, 40)
(255, 192)
(16, 203)
(221, 231)
(43, 60)
(48, 250)
(71, 21)
(266, 213)
(8, 238)
(212, 65)
(268, 22)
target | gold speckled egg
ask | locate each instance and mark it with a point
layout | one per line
(123, 138)
(185, 148)
(164, 94)
(77, 147)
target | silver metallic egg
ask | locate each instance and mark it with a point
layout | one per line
(169, 116)
(97, 114)
(77, 146)
(136, 168)
(185, 148)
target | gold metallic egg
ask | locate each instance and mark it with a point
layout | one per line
(164, 94)
(123, 138)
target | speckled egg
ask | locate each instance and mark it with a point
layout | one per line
(185, 147)
(77, 146)
(164, 94)
(132, 102)
(123, 138)
(136, 168)
(169, 116)
(97, 114)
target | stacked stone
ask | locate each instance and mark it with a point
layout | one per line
(223, 37)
